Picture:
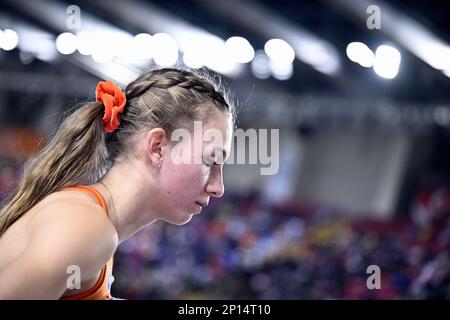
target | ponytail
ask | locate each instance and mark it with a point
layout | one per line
(75, 155)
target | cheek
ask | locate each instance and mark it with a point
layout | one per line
(181, 187)
(186, 179)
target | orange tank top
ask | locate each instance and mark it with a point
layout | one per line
(102, 288)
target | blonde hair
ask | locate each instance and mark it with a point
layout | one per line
(81, 152)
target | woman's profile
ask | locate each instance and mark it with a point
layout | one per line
(106, 173)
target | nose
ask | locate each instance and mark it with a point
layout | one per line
(215, 185)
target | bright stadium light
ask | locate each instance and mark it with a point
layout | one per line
(279, 51)
(143, 45)
(166, 50)
(360, 53)
(239, 50)
(192, 59)
(85, 42)
(387, 61)
(105, 46)
(66, 43)
(9, 40)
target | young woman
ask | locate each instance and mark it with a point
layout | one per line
(108, 172)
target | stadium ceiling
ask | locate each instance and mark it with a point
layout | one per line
(318, 31)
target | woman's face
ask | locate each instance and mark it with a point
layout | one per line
(191, 172)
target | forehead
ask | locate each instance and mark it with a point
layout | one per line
(219, 121)
(218, 131)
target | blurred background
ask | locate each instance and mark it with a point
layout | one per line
(359, 91)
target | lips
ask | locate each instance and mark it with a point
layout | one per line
(202, 204)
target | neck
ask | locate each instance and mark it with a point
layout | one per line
(126, 189)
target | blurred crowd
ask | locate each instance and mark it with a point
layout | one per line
(242, 247)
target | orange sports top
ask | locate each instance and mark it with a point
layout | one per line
(102, 288)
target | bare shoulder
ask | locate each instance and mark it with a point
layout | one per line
(63, 232)
(74, 222)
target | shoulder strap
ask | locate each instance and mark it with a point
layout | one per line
(94, 192)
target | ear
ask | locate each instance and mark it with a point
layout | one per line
(156, 143)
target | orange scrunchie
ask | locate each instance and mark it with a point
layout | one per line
(114, 101)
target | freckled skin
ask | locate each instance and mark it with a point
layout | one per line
(184, 184)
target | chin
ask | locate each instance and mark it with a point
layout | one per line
(179, 221)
